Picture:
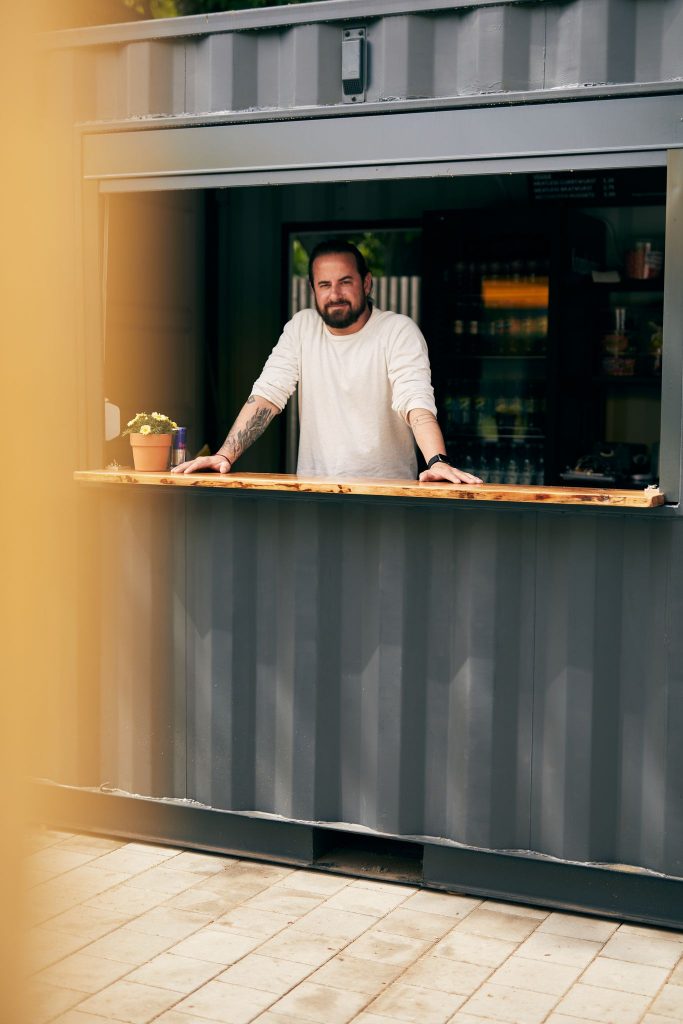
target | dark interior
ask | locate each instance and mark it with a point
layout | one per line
(540, 295)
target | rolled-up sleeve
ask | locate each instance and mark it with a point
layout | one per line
(282, 370)
(409, 370)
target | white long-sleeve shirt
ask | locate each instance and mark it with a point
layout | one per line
(355, 393)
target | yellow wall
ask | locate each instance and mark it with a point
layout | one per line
(39, 418)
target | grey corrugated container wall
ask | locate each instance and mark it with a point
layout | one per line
(475, 677)
(245, 62)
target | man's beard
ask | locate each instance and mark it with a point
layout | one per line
(342, 315)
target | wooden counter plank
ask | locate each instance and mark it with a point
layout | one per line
(540, 495)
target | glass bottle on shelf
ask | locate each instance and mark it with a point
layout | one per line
(479, 410)
(512, 471)
(515, 410)
(526, 475)
(481, 468)
(540, 471)
(618, 353)
(496, 471)
(460, 290)
(473, 335)
(464, 408)
(517, 341)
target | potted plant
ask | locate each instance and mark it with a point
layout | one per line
(151, 434)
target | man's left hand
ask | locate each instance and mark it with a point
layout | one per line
(442, 471)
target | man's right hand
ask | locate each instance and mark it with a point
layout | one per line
(252, 420)
(205, 464)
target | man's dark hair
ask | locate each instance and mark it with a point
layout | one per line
(335, 247)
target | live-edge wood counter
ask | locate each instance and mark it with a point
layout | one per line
(540, 495)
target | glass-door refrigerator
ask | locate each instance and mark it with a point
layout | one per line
(497, 308)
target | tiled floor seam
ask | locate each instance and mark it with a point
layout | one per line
(334, 954)
(64, 874)
(579, 980)
(302, 919)
(423, 956)
(124, 977)
(426, 953)
(653, 998)
(115, 927)
(182, 996)
(658, 992)
(554, 1008)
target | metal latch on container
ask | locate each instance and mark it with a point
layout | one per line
(354, 64)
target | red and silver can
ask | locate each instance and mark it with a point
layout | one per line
(179, 446)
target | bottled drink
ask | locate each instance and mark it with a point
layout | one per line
(458, 333)
(515, 409)
(516, 341)
(478, 412)
(526, 475)
(505, 414)
(464, 411)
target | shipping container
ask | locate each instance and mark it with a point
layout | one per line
(484, 694)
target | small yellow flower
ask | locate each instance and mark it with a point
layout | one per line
(131, 422)
(174, 424)
(145, 429)
(157, 416)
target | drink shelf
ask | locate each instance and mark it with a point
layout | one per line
(604, 379)
(501, 439)
(632, 285)
(491, 355)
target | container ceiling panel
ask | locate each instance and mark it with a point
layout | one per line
(289, 59)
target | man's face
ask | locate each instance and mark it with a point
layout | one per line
(341, 294)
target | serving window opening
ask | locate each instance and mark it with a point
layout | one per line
(540, 297)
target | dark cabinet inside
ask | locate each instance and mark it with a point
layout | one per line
(546, 359)
(500, 321)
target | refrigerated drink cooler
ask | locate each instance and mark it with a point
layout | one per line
(511, 313)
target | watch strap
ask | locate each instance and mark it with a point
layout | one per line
(438, 458)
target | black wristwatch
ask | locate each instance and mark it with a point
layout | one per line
(438, 458)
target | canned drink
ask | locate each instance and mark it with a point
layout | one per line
(179, 446)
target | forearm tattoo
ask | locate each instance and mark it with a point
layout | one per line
(237, 441)
(422, 417)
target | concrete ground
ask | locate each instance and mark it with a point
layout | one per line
(128, 932)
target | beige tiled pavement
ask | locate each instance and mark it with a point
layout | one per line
(130, 933)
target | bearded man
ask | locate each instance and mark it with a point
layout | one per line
(365, 393)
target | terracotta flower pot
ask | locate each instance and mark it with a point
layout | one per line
(151, 452)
